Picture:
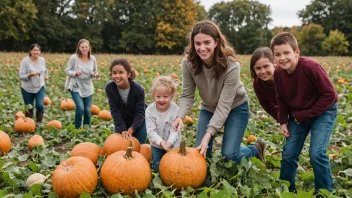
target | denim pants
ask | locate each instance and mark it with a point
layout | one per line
(82, 108)
(320, 128)
(140, 134)
(234, 128)
(157, 154)
(39, 99)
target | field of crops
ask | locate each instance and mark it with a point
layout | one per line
(251, 178)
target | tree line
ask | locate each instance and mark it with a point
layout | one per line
(162, 27)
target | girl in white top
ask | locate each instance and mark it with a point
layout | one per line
(33, 73)
(159, 116)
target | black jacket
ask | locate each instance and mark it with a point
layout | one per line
(127, 115)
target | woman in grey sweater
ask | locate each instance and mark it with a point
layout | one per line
(33, 74)
(82, 68)
(210, 65)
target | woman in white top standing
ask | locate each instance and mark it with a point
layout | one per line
(33, 74)
(82, 68)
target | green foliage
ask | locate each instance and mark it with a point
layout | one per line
(336, 44)
(310, 39)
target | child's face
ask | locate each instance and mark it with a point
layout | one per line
(205, 45)
(162, 98)
(264, 69)
(285, 57)
(120, 76)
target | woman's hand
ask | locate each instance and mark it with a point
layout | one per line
(285, 131)
(45, 77)
(97, 75)
(32, 74)
(202, 148)
(78, 73)
(178, 124)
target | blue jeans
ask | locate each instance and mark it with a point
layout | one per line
(82, 108)
(234, 128)
(157, 154)
(321, 128)
(140, 134)
(39, 99)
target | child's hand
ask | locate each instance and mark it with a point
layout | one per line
(178, 124)
(169, 145)
(164, 146)
(285, 131)
(127, 134)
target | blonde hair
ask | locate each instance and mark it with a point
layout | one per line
(165, 83)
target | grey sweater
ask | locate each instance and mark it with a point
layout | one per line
(219, 96)
(35, 83)
(83, 83)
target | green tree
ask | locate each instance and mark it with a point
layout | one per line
(336, 44)
(310, 39)
(16, 18)
(245, 23)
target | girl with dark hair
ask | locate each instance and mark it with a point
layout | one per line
(33, 73)
(211, 66)
(126, 100)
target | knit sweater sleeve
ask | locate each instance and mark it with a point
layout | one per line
(114, 108)
(139, 109)
(267, 105)
(70, 68)
(283, 106)
(23, 69)
(153, 135)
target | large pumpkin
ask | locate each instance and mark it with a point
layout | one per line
(35, 140)
(104, 115)
(67, 104)
(5, 143)
(19, 114)
(94, 110)
(88, 150)
(183, 167)
(25, 125)
(115, 142)
(55, 124)
(125, 172)
(146, 151)
(74, 176)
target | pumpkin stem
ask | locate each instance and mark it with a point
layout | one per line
(182, 150)
(67, 168)
(129, 150)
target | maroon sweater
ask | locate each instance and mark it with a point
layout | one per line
(267, 97)
(305, 93)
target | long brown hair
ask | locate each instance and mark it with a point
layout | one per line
(222, 53)
(78, 51)
(262, 52)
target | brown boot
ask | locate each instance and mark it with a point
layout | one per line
(260, 146)
(39, 117)
(29, 113)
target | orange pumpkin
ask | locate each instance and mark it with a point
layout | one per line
(251, 138)
(125, 172)
(19, 114)
(94, 110)
(25, 125)
(104, 115)
(67, 104)
(183, 167)
(174, 76)
(88, 150)
(74, 176)
(188, 120)
(115, 142)
(146, 151)
(55, 124)
(99, 90)
(5, 143)
(47, 100)
(35, 140)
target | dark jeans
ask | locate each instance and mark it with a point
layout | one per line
(82, 109)
(157, 155)
(39, 99)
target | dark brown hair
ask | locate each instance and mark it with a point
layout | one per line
(262, 52)
(126, 65)
(78, 51)
(284, 38)
(222, 52)
(32, 47)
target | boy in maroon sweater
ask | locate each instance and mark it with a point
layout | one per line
(307, 103)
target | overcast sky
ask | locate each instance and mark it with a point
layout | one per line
(283, 13)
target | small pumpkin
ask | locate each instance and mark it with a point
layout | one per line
(74, 176)
(5, 143)
(251, 138)
(146, 151)
(94, 110)
(35, 178)
(88, 150)
(174, 76)
(67, 104)
(55, 124)
(126, 172)
(115, 142)
(35, 140)
(104, 115)
(19, 114)
(183, 167)
(188, 120)
(25, 125)
(47, 101)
